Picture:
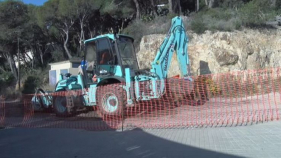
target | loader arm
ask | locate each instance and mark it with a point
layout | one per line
(175, 41)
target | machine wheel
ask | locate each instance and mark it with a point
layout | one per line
(40, 106)
(111, 99)
(63, 105)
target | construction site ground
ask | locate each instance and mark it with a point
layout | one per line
(223, 127)
(258, 140)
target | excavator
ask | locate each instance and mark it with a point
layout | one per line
(112, 80)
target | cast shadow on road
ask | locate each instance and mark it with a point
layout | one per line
(70, 143)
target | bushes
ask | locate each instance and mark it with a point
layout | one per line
(278, 5)
(6, 80)
(34, 79)
(233, 16)
(57, 55)
(198, 26)
(256, 12)
(215, 19)
(137, 29)
(30, 84)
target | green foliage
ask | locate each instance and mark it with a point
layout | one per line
(198, 26)
(216, 19)
(147, 18)
(57, 55)
(30, 84)
(219, 14)
(234, 4)
(13, 16)
(137, 29)
(278, 5)
(7, 78)
(34, 79)
(256, 12)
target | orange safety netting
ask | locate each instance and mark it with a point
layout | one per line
(227, 99)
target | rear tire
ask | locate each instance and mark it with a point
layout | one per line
(111, 99)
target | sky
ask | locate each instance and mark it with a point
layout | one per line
(35, 2)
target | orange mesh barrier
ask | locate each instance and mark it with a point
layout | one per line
(229, 99)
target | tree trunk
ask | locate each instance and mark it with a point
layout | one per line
(12, 65)
(197, 5)
(33, 61)
(29, 58)
(273, 3)
(153, 7)
(170, 6)
(176, 6)
(206, 2)
(1, 69)
(41, 55)
(211, 3)
(138, 9)
(82, 34)
(33, 53)
(65, 44)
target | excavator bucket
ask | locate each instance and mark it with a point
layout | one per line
(183, 91)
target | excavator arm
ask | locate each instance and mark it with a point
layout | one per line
(175, 41)
(153, 86)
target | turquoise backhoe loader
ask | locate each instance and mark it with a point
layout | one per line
(111, 78)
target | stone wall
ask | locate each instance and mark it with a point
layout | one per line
(221, 51)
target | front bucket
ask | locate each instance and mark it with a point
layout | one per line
(191, 92)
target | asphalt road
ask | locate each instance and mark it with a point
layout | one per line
(259, 140)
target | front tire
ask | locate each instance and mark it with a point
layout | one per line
(63, 105)
(111, 99)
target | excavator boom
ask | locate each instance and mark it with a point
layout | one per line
(175, 41)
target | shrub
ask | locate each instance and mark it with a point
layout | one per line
(7, 78)
(30, 84)
(216, 19)
(160, 25)
(256, 12)
(198, 26)
(231, 3)
(219, 14)
(57, 55)
(138, 28)
(278, 5)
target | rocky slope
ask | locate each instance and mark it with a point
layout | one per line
(221, 51)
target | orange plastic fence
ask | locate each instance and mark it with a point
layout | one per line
(228, 99)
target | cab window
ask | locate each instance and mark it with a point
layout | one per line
(104, 54)
(91, 54)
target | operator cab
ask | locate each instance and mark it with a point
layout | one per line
(107, 56)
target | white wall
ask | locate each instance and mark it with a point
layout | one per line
(62, 66)
(73, 71)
